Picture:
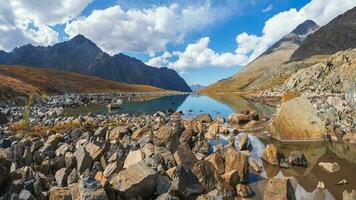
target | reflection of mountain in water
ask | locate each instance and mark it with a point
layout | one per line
(152, 106)
(239, 104)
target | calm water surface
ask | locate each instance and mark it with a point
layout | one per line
(306, 179)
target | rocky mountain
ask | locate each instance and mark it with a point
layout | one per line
(196, 87)
(277, 54)
(80, 55)
(337, 35)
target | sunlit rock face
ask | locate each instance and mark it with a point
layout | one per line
(297, 120)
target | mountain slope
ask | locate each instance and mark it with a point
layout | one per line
(82, 56)
(17, 81)
(337, 35)
(277, 54)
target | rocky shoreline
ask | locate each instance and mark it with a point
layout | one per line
(158, 156)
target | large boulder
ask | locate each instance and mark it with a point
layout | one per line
(133, 157)
(185, 184)
(168, 136)
(235, 160)
(279, 189)
(210, 179)
(296, 119)
(185, 156)
(217, 161)
(137, 181)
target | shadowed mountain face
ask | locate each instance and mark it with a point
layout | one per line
(277, 54)
(337, 35)
(80, 55)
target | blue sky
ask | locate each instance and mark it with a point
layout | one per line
(203, 40)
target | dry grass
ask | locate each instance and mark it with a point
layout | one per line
(35, 80)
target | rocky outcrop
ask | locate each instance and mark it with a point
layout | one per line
(336, 74)
(297, 120)
(82, 56)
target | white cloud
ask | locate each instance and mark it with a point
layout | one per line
(23, 21)
(160, 61)
(199, 55)
(268, 8)
(144, 30)
(321, 11)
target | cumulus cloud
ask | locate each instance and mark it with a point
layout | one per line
(198, 55)
(160, 61)
(268, 8)
(321, 11)
(23, 21)
(144, 30)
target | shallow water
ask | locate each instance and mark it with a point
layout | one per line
(305, 178)
(190, 105)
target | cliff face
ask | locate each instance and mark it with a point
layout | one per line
(80, 55)
(337, 35)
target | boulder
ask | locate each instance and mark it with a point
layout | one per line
(210, 179)
(133, 157)
(217, 161)
(61, 176)
(237, 118)
(279, 189)
(238, 161)
(140, 132)
(186, 136)
(54, 140)
(168, 136)
(244, 143)
(272, 155)
(26, 195)
(244, 191)
(112, 168)
(184, 156)
(297, 120)
(255, 166)
(330, 167)
(297, 158)
(167, 156)
(289, 95)
(185, 184)
(101, 132)
(91, 189)
(137, 181)
(213, 130)
(94, 151)
(204, 118)
(59, 193)
(84, 160)
(117, 133)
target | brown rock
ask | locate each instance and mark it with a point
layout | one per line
(289, 95)
(184, 156)
(217, 161)
(212, 131)
(59, 193)
(133, 157)
(94, 151)
(54, 140)
(205, 118)
(140, 132)
(235, 160)
(232, 178)
(297, 120)
(168, 136)
(271, 154)
(255, 166)
(117, 133)
(330, 167)
(99, 176)
(210, 179)
(244, 190)
(279, 189)
(84, 160)
(61, 176)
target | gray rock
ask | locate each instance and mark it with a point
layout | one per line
(61, 176)
(26, 195)
(84, 160)
(91, 189)
(185, 184)
(137, 181)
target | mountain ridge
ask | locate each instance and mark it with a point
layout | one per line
(81, 55)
